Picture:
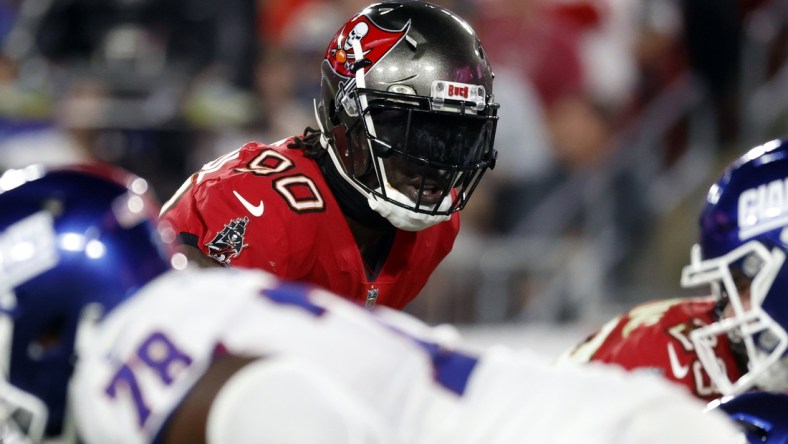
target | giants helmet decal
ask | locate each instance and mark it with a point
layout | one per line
(376, 42)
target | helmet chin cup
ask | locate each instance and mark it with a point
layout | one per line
(402, 218)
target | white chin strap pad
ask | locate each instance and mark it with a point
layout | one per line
(406, 219)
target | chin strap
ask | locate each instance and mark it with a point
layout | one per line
(405, 219)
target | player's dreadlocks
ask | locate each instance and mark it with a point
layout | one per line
(309, 142)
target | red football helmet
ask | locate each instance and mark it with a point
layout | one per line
(407, 111)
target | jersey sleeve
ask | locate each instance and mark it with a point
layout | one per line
(198, 201)
(655, 337)
(588, 350)
(258, 207)
(184, 215)
(308, 406)
(634, 339)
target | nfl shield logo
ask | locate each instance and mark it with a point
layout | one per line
(372, 297)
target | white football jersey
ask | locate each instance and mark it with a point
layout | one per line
(137, 365)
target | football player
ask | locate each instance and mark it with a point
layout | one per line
(159, 358)
(735, 339)
(367, 204)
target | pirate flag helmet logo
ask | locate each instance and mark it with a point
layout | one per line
(375, 41)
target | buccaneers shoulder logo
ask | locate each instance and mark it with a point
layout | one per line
(375, 41)
(228, 243)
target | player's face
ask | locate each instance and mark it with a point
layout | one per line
(425, 150)
(420, 184)
(743, 283)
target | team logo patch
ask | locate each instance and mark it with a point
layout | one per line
(376, 42)
(228, 243)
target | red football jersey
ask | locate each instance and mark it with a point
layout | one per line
(655, 336)
(269, 207)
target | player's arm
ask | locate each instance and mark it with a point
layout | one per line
(188, 215)
(194, 410)
(276, 399)
(197, 257)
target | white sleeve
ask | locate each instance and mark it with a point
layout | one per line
(284, 400)
(679, 422)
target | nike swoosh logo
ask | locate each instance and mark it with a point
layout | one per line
(679, 371)
(256, 210)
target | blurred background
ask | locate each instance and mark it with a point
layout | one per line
(616, 116)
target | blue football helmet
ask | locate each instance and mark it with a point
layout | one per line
(762, 416)
(741, 255)
(74, 242)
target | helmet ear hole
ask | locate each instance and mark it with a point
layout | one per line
(333, 113)
(342, 143)
(50, 338)
(339, 136)
(351, 147)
